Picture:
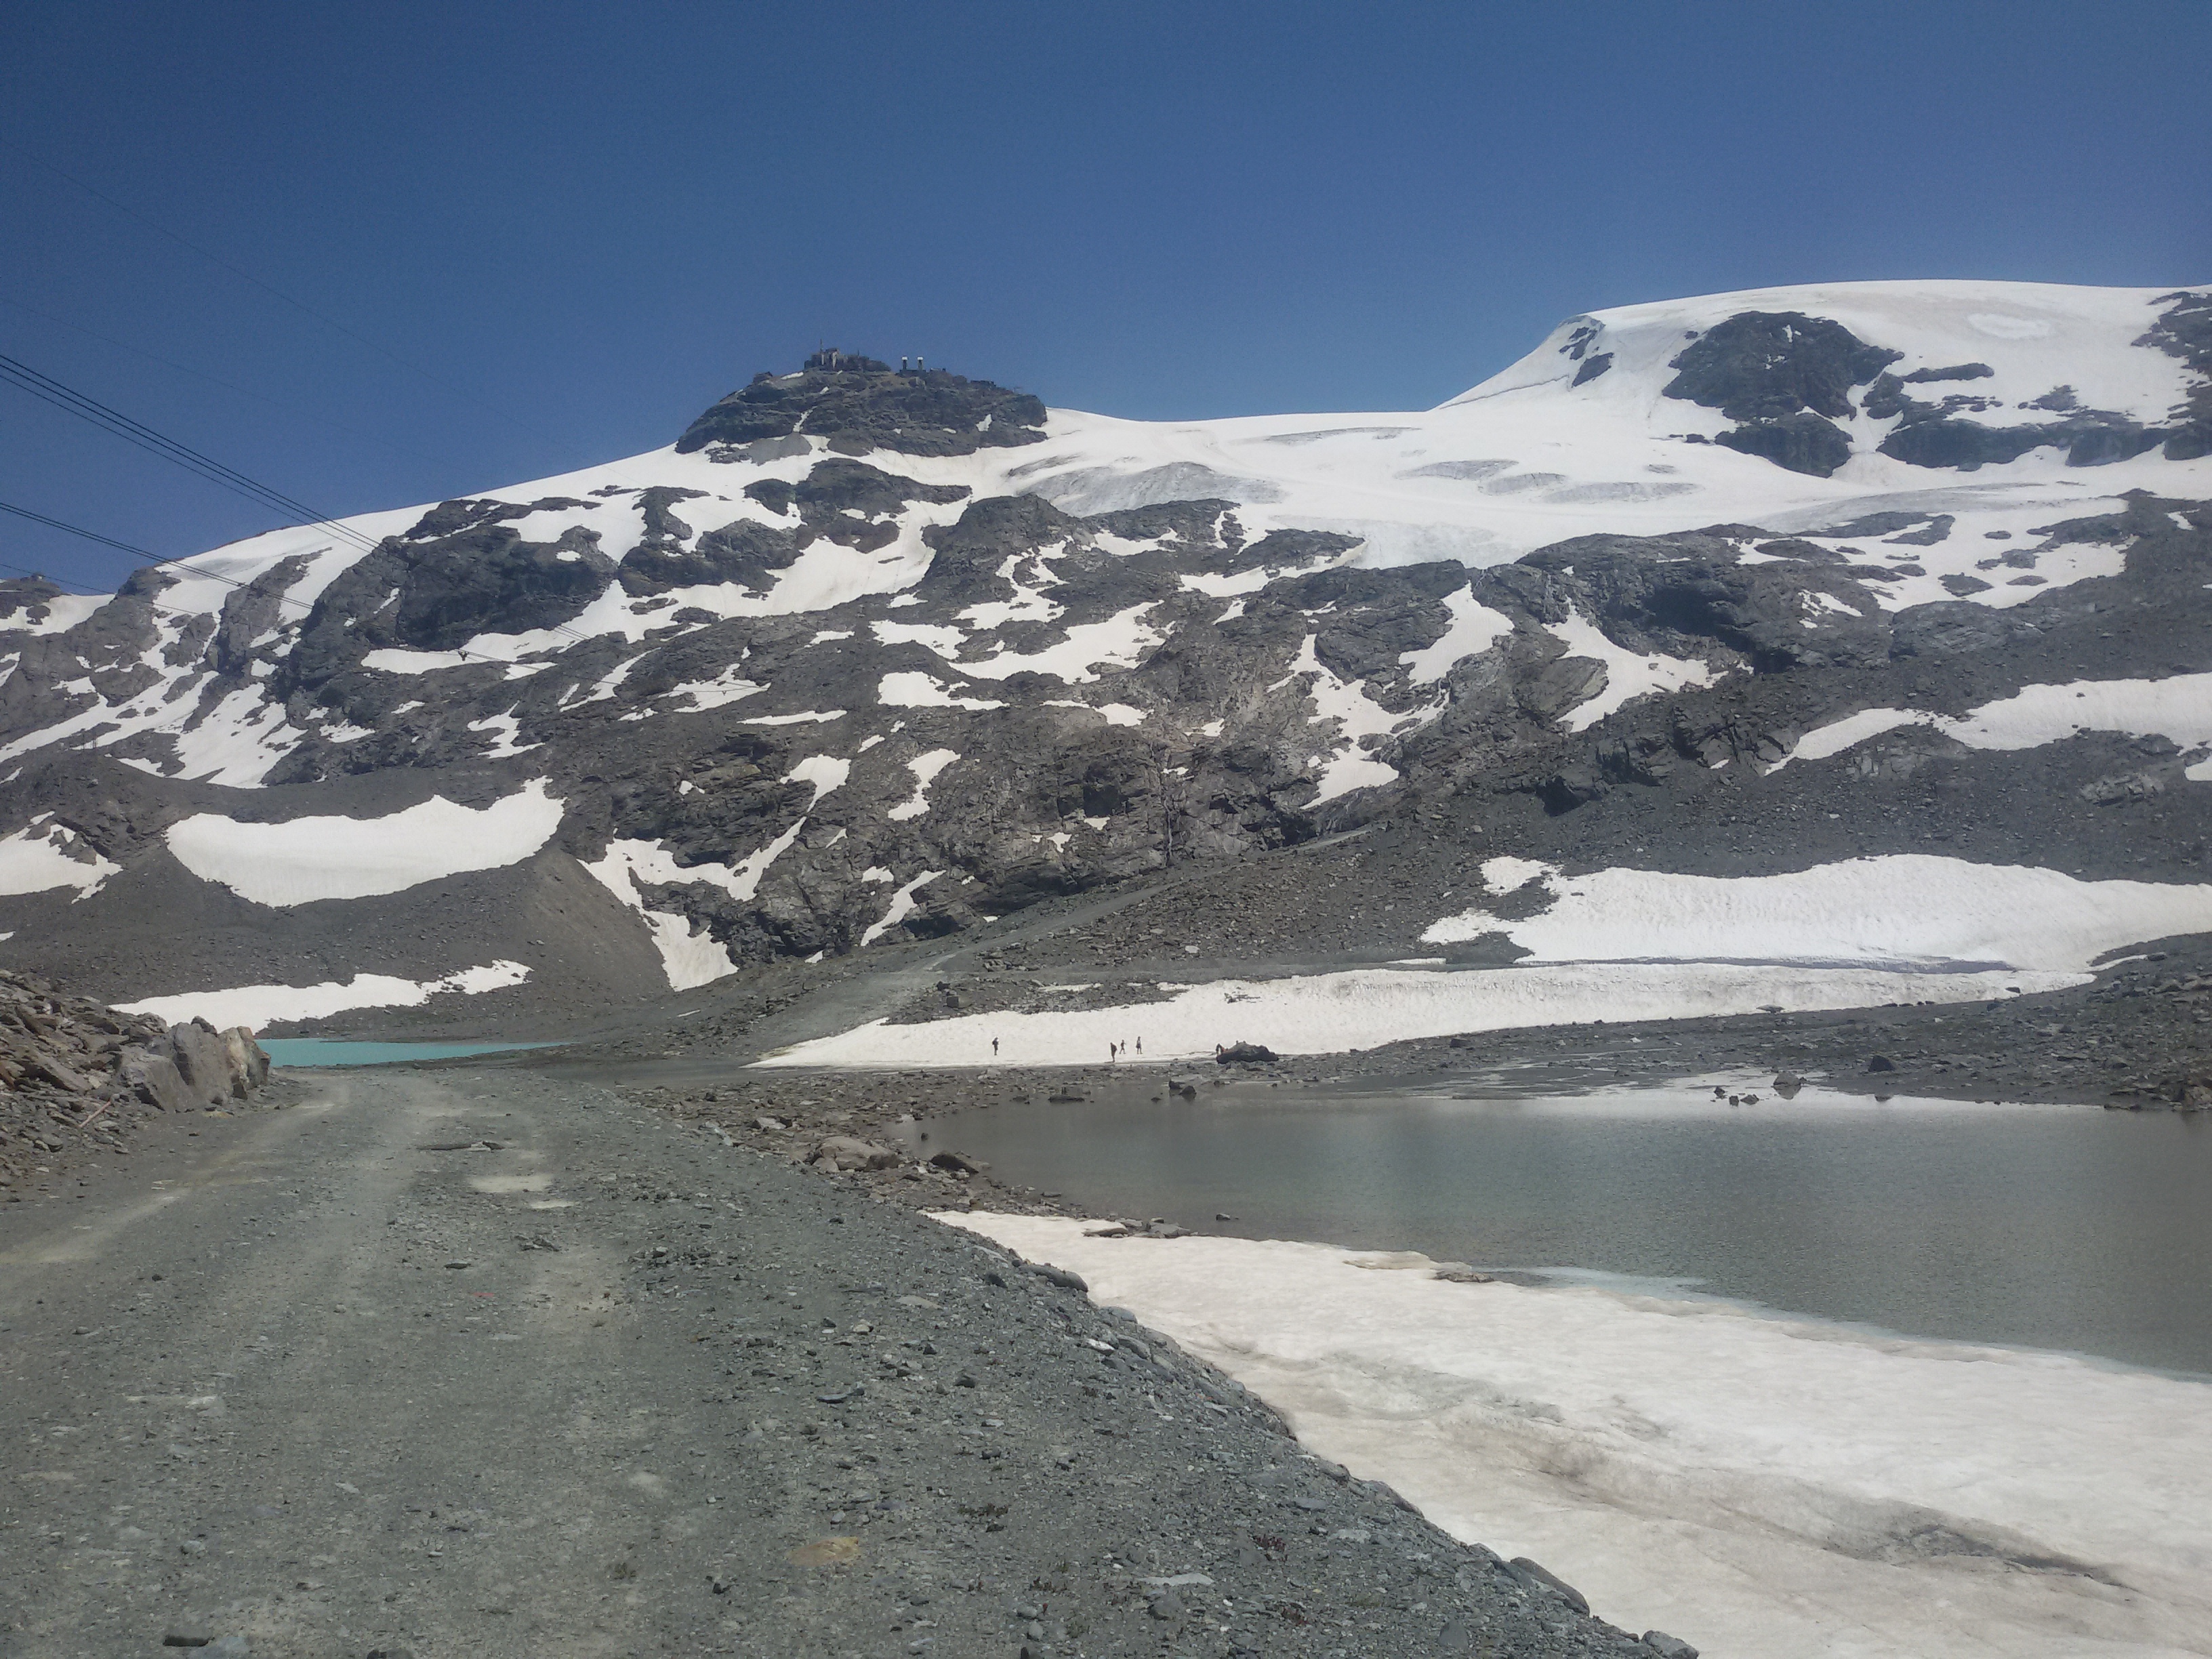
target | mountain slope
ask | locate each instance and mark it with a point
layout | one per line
(1733, 587)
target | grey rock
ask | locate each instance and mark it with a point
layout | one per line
(860, 404)
(249, 1061)
(155, 1079)
(846, 1153)
(1668, 1647)
(1246, 1053)
(203, 1060)
(1536, 1577)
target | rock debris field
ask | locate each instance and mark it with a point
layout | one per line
(436, 1363)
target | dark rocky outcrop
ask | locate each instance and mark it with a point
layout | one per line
(1246, 1053)
(1803, 442)
(1785, 378)
(438, 594)
(2186, 332)
(26, 599)
(868, 406)
(1940, 439)
(745, 551)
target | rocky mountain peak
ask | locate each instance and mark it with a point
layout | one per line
(855, 405)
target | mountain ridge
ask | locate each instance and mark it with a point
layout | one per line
(927, 653)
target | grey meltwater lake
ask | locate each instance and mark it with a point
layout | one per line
(2057, 1227)
(348, 1051)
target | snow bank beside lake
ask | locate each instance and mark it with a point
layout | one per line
(1767, 1488)
(1365, 1008)
(257, 1006)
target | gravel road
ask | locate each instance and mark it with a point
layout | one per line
(490, 1364)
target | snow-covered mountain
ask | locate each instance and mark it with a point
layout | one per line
(867, 654)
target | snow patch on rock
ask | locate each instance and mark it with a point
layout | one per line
(1908, 910)
(258, 1006)
(2178, 708)
(38, 859)
(302, 861)
(925, 768)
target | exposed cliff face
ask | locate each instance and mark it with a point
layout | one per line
(913, 654)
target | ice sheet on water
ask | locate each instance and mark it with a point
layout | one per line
(1769, 1488)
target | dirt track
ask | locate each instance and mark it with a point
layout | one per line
(333, 1379)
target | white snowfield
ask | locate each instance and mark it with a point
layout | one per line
(44, 856)
(1346, 766)
(1367, 1007)
(1524, 459)
(902, 904)
(1475, 629)
(1627, 676)
(690, 956)
(1620, 946)
(925, 768)
(2178, 708)
(258, 1005)
(1905, 910)
(302, 861)
(1751, 1483)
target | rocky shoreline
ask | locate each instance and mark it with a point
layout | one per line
(1244, 1545)
(78, 1079)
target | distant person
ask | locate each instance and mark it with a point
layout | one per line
(994, 1047)
(1141, 1045)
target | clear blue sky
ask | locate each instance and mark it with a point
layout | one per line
(550, 232)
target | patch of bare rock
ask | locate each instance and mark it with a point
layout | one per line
(78, 1079)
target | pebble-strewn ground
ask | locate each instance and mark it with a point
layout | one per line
(477, 1362)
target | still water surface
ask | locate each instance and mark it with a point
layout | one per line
(2053, 1227)
(333, 1051)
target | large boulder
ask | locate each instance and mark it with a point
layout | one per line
(1246, 1053)
(845, 1152)
(155, 1079)
(249, 1061)
(203, 1060)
